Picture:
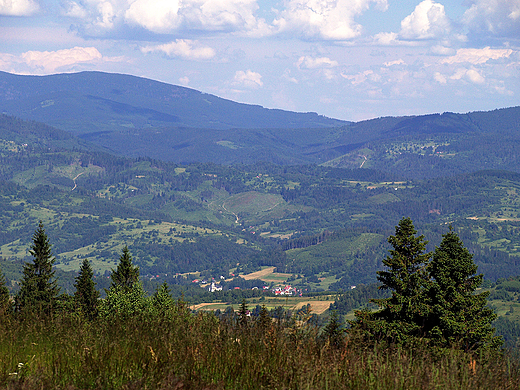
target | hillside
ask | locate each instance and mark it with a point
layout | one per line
(323, 224)
(137, 117)
(89, 102)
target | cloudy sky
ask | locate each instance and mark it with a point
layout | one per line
(347, 59)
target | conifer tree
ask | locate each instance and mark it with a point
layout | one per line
(403, 314)
(126, 296)
(459, 317)
(264, 321)
(126, 274)
(162, 300)
(243, 314)
(38, 288)
(4, 295)
(86, 296)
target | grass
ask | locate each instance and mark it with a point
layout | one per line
(200, 351)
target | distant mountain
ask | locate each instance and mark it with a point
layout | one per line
(138, 117)
(94, 101)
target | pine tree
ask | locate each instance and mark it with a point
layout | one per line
(403, 314)
(459, 317)
(126, 274)
(126, 296)
(333, 331)
(162, 301)
(38, 288)
(243, 313)
(4, 295)
(86, 297)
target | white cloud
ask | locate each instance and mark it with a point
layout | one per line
(427, 21)
(361, 77)
(306, 62)
(330, 20)
(248, 79)
(440, 78)
(50, 61)
(475, 77)
(183, 48)
(442, 50)
(477, 56)
(498, 17)
(158, 16)
(18, 7)
(184, 80)
(471, 75)
(169, 16)
(396, 62)
(386, 38)
(74, 10)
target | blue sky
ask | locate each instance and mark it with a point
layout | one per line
(347, 59)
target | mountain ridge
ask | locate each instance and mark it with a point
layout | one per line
(129, 101)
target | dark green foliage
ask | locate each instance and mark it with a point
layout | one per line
(404, 313)
(4, 295)
(86, 297)
(38, 288)
(126, 296)
(334, 332)
(263, 321)
(126, 275)
(458, 315)
(162, 301)
(358, 297)
(243, 314)
(433, 301)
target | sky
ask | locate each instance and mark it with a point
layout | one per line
(345, 59)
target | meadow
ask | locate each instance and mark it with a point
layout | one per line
(182, 350)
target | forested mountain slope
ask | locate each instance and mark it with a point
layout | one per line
(94, 101)
(309, 220)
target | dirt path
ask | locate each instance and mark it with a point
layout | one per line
(364, 161)
(78, 175)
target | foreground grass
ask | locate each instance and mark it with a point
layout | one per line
(181, 350)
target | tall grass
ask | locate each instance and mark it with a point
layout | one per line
(193, 351)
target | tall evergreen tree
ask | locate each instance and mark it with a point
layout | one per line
(86, 296)
(403, 314)
(4, 295)
(459, 317)
(126, 296)
(126, 274)
(38, 288)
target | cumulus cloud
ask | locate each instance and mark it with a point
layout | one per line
(477, 56)
(471, 75)
(361, 77)
(498, 17)
(427, 21)
(50, 61)
(18, 7)
(330, 20)
(248, 79)
(306, 62)
(169, 16)
(183, 48)
(386, 38)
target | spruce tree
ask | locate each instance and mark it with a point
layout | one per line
(38, 288)
(459, 317)
(126, 274)
(403, 315)
(4, 295)
(126, 296)
(86, 297)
